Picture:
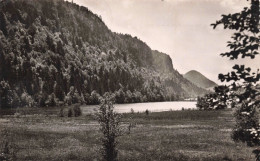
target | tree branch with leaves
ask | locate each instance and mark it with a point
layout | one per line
(245, 87)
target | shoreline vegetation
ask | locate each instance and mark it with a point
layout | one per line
(171, 135)
(55, 109)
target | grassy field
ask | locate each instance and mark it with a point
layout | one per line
(161, 136)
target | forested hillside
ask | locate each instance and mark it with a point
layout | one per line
(54, 53)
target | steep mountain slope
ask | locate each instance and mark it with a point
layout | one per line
(55, 52)
(173, 80)
(200, 80)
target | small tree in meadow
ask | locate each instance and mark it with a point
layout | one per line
(109, 122)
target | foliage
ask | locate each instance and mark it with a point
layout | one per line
(219, 99)
(245, 87)
(74, 111)
(109, 122)
(202, 103)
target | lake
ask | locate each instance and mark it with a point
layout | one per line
(120, 108)
(141, 107)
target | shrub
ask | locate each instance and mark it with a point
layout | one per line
(61, 112)
(17, 114)
(146, 112)
(110, 127)
(131, 125)
(215, 100)
(77, 110)
(70, 112)
(74, 111)
(27, 100)
(132, 111)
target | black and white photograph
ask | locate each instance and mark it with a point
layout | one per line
(129, 80)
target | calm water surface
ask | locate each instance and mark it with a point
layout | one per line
(141, 107)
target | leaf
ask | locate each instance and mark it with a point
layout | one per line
(236, 66)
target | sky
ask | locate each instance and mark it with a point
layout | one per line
(179, 28)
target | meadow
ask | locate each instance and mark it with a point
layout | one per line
(188, 135)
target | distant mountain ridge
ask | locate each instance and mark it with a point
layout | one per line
(199, 79)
